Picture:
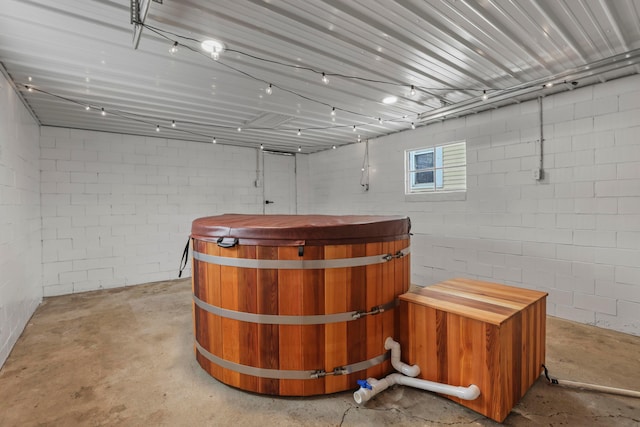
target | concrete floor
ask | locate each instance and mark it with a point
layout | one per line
(125, 357)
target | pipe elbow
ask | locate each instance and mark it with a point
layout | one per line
(398, 365)
(469, 393)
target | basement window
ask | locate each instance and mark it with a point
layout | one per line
(436, 169)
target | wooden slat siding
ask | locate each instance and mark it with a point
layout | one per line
(201, 331)
(541, 313)
(493, 373)
(472, 357)
(374, 323)
(442, 350)
(248, 302)
(407, 323)
(402, 274)
(356, 300)
(454, 305)
(290, 301)
(297, 292)
(497, 290)
(503, 393)
(335, 300)
(453, 342)
(214, 296)
(478, 296)
(313, 338)
(502, 356)
(429, 317)
(268, 335)
(387, 291)
(195, 271)
(230, 328)
(194, 289)
(527, 347)
(516, 359)
(205, 323)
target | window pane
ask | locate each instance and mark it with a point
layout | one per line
(423, 178)
(423, 160)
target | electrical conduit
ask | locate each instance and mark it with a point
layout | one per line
(372, 386)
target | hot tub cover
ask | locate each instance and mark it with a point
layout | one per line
(302, 229)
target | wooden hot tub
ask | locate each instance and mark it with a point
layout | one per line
(297, 305)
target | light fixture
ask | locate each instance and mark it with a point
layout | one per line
(412, 92)
(157, 128)
(30, 78)
(484, 95)
(299, 147)
(333, 111)
(87, 108)
(261, 147)
(269, 90)
(299, 132)
(390, 100)
(354, 128)
(325, 79)
(174, 48)
(334, 147)
(413, 126)
(173, 123)
(104, 113)
(30, 88)
(359, 139)
(239, 129)
(380, 120)
(214, 47)
(214, 140)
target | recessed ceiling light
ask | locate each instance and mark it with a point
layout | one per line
(212, 46)
(390, 100)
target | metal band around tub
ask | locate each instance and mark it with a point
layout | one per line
(302, 264)
(286, 374)
(277, 319)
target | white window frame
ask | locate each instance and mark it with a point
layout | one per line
(438, 169)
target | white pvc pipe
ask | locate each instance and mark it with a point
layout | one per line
(466, 393)
(363, 394)
(403, 368)
(409, 372)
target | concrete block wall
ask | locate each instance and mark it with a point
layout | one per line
(20, 229)
(117, 209)
(575, 234)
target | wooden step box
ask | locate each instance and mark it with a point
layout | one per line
(463, 332)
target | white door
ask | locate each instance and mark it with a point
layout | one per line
(279, 184)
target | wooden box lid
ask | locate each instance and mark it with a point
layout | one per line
(485, 301)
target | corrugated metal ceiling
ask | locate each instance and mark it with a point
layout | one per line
(80, 53)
